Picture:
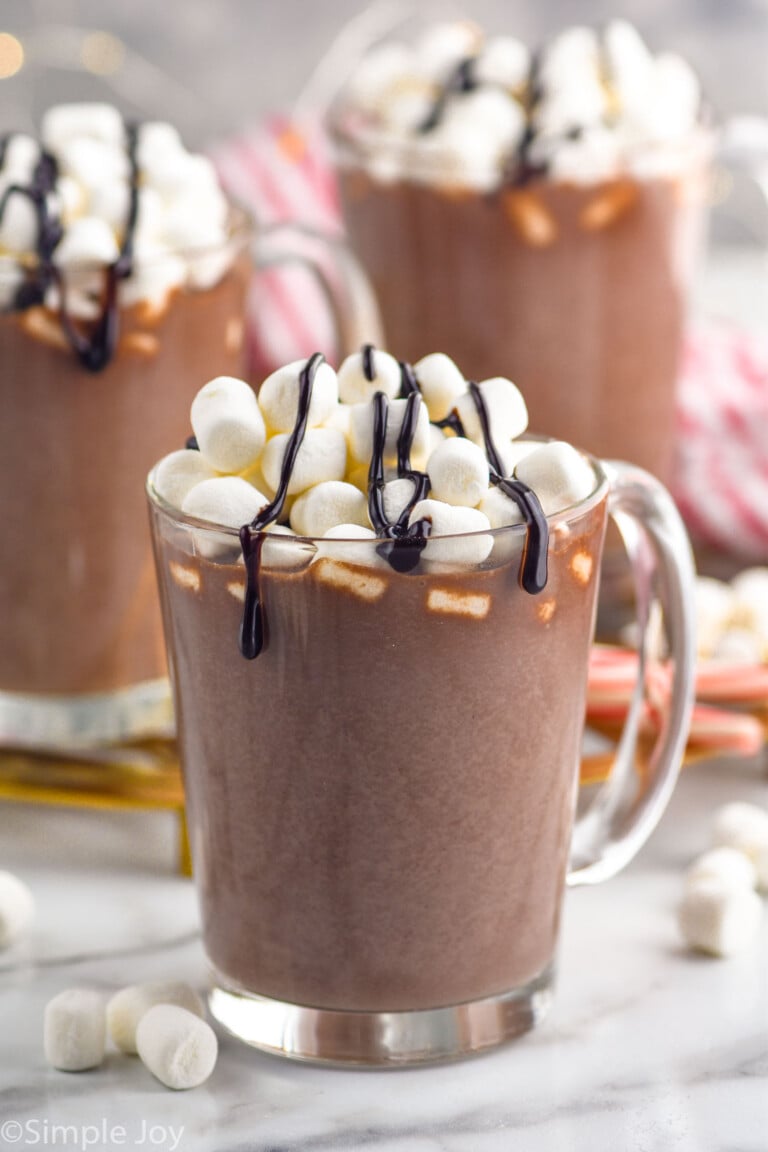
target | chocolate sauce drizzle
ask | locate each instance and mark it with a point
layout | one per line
(252, 631)
(95, 350)
(461, 79)
(401, 542)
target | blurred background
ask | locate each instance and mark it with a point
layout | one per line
(213, 66)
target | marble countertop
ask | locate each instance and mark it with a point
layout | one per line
(647, 1048)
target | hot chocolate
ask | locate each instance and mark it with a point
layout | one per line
(537, 211)
(122, 277)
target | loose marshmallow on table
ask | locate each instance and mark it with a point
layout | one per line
(719, 918)
(17, 908)
(440, 382)
(327, 505)
(728, 866)
(361, 432)
(740, 825)
(177, 1047)
(322, 456)
(226, 500)
(279, 396)
(507, 413)
(354, 385)
(558, 474)
(228, 424)
(75, 1030)
(127, 1007)
(458, 473)
(451, 523)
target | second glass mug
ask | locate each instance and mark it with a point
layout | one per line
(82, 659)
(381, 805)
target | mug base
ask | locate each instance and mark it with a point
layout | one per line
(381, 1039)
(70, 723)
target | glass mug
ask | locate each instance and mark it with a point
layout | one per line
(381, 805)
(82, 658)
(580, 290)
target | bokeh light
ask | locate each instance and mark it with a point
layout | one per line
(11, 55)
(102, 53)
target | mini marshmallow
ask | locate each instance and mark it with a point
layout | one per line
(442, 46)
(458, 473)
(738, 646)
(596, 156)
(501, 510)
(177, 1047)
(187, 227)
(456, 155)
(379, 74)
(750, 593)
(178, 473)
(17, 908)
(280, 551)
(396, 496)
(279, 396)
(228, 424)
(570, 57)
(440, 382)
(339, 547)
(11, 279)
(504, 61)
(74, 1031)
(93, 163)
(490, 113)
(127, 1007)
(558, 474)
(327, 505)
(228, 501)
(18, 229)
(743, 827)
(405, 111)
(513, 452)
(354, 385)
(678, 96)
(322, 456)
(22, 154)
(450, 522)
(89, 240)
(715, 605)
(69, 121)
(507, 413)
(629, 63)
(71, 198)
(567, 108)
(718, 918)
(156, 273)
(725, 865)
(156, 137)
(361, 432)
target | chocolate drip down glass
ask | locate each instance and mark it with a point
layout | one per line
(381, 804)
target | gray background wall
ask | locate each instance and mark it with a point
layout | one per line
(214, 65)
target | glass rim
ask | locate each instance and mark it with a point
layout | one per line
(571, 512)
(241, 227)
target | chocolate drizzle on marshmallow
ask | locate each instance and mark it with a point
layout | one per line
(252, 631)
(401, 543)
(95, 350)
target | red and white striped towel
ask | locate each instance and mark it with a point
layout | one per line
(284, 173)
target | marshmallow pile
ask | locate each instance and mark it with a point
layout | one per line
(183, 215)
(242, 441)
(732, 619)
(720, 912)
(455, 107)
(163, 1023)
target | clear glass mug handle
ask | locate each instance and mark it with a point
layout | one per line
(629, 804)
(345, 286)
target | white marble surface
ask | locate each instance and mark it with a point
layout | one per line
(647, 1048)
